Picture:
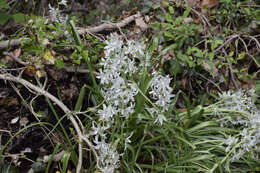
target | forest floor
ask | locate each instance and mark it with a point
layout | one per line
(52, 58)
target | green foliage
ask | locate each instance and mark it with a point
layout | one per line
(193, 138)
(4, 5)
(59, 63)
(4, 17)
(237, 13)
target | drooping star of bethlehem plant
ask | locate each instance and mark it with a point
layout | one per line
(245, 116)
(122, 66)
(237, 111)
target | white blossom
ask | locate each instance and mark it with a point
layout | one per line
(161, 91)
(107, 155)
(98, 130)
(127, 140)
(248, 123)
(160, 119)
(113, 44)
(63, 2)
(54, 13)
(107, 113)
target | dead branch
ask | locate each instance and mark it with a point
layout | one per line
(226, 42)
(80, 132)
(81, 31)
(230, 69)
(11, 43)
(17, 59)
(109, 26)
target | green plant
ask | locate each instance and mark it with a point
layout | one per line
(5, 16)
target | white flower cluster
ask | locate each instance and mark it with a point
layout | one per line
(107, 155)
(247, 119)
(119, 94)
(55, 13)
(118, 63)
(119, 69)
(161, 93)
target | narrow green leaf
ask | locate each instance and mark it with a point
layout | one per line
(75, 33)
(52, 156)
(80, 98)
(65, 160)
(201, 126)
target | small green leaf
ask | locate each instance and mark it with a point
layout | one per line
(78, 61)
(59, 63)
(186, 12)
(4, 17)
(80, 98)
(211, 56)
(231, 54)
(4, 5)
(19, 17)
(235, 70)
(171, 10)
(155, 6)
(241, 55)
(165, 3)
(168, 17)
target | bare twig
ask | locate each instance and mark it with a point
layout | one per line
(256, 41)
(57, 157)
(219, 89)
(11, 43)
(230, 69)
(81, 134)
(17, 59)
(81, 31)
(78, 69)
(108, 26)
(226, 42)
(248, 5)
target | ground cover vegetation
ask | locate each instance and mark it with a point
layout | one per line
(129, 86)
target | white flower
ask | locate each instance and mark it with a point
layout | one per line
(249, 136)
(230, 142)
(134, 48)
(161, 91)
(160, 119)
(98, 130)
(157, 114)
(113, 44)
(127, 140)
(63, 2)
(107, 155)
(54, 13)
(107, 113)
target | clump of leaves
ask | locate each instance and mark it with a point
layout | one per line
(240, 15)
(5, 16)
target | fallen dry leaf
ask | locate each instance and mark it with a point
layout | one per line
(140, 23)
(208, 68)
(209, 4)
(193, 3)
(184, 82)
(30, 70)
